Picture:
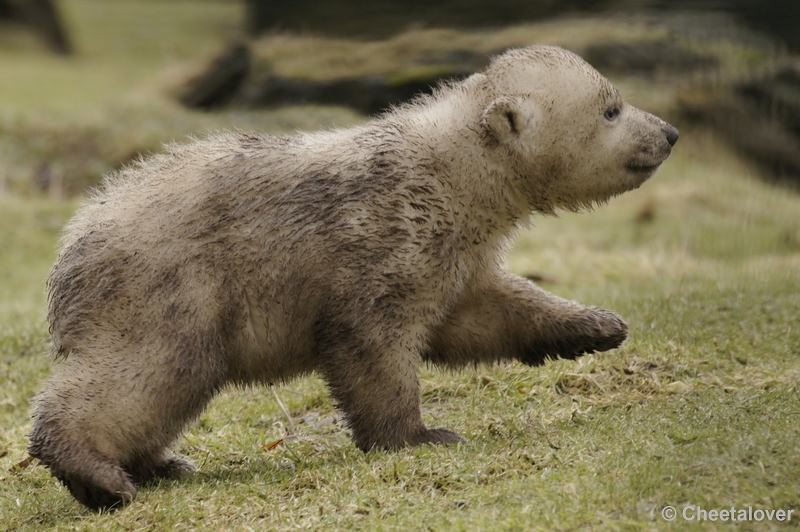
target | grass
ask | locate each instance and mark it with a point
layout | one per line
(74, 119)
(700, 406)
(119, 45)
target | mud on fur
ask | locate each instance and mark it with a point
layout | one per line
(357, 253)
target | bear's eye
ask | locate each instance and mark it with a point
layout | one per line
(611, 114)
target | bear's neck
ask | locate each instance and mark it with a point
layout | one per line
(446, 135)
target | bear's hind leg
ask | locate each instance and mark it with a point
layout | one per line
(107, 421)
(94, 480)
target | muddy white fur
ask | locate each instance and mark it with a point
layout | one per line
(356, 253)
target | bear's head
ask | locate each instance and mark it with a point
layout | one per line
(564, 132)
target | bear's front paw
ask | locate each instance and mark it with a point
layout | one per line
(591, 330)
(606, 330)
(435, 436)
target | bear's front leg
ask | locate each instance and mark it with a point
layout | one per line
(509, 317)
(374, 381)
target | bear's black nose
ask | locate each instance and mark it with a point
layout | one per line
(672, 134)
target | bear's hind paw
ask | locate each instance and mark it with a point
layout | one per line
(172, 468)
(99, 492)
(437, 436)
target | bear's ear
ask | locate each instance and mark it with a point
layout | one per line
(504, 118)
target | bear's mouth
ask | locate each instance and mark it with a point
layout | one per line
(642, 168)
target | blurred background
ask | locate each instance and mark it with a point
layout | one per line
(89, 85)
